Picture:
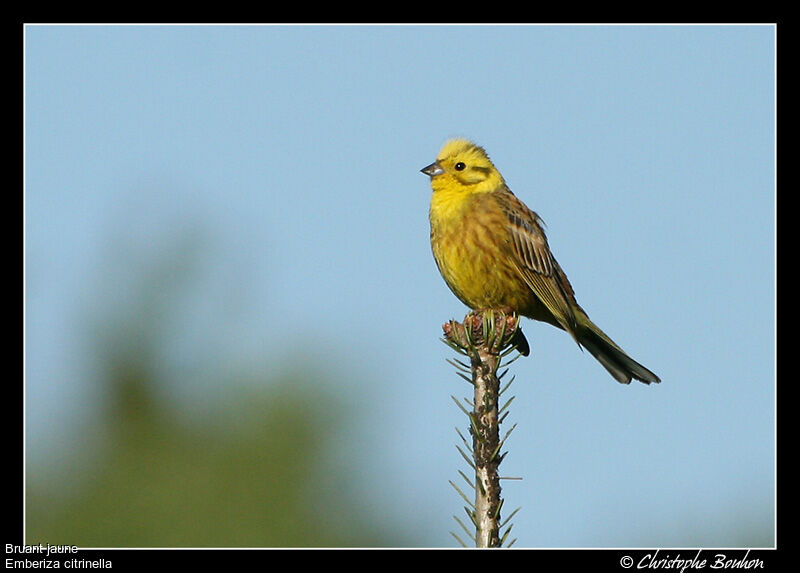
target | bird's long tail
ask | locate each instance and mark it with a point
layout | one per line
(621, 366)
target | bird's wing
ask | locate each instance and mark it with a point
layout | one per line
(536, 263)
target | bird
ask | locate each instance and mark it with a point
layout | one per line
(492, 252)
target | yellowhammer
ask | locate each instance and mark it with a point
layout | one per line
(493, 254)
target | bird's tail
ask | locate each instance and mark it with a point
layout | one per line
(621, 366)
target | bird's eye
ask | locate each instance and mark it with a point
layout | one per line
(460, 166)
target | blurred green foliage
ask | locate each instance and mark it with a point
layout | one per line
(250, 477)
(248, 467)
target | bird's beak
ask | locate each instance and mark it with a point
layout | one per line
(433, 169)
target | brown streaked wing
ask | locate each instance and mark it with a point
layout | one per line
(535, 262)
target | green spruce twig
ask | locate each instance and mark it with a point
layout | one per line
(486, 338)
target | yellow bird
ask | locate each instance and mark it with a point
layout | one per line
(492, 252)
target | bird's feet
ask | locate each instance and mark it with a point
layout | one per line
(494, 329)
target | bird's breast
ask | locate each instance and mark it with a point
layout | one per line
(473, 253)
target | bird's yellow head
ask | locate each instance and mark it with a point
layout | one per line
(462, 166)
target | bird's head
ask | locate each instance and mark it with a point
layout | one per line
(463, 166)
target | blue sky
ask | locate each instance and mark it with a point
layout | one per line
(294, 153)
